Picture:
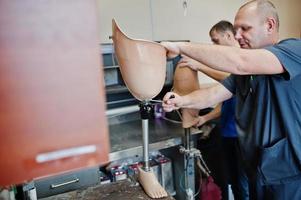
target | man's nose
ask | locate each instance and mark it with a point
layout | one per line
(238, 34)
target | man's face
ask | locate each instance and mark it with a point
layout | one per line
(250, 29)
(223, 38)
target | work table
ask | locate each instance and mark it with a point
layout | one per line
(124, 190)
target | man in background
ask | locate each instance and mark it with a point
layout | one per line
(223, 33)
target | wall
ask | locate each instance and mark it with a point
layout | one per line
(290, 17)
(133, 16)
(165, 20)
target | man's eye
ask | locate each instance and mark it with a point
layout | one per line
(244, 28)
(215, 41)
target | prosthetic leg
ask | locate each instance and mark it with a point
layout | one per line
(147, 60)
(146, 177)
(185, 82)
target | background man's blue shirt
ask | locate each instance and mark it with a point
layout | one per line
(227, 122)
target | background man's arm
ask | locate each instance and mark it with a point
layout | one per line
(215, 113)
(195, 65)
(215, 74)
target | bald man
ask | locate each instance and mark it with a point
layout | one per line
(265, 78)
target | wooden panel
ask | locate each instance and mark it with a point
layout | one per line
(51, 88)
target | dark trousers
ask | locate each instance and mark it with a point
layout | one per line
(223, 158)
(235, 174)
(213, 155)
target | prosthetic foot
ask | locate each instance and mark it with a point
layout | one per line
(150, 184)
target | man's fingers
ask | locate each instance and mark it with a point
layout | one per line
(172, 49)
(170, 102)
(182, 64)
(168, 109)
(168, 96)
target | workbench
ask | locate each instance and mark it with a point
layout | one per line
(124, 190)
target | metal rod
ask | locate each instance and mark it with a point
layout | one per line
(189, 165)
(145, 136)
(157, 101)
(187, 138)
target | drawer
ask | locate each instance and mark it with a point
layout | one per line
(67, 182)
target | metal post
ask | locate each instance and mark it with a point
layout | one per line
(145, 110)
(189, 166)
(145, 136)
(187, 138)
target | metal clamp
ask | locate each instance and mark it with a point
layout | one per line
(195, 153)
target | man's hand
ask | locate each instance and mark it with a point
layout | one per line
(189, 62)
(171, 101)
(201, 120)
(172, 48)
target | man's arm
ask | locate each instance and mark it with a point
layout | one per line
(231, 59)
(195, 65)
(215, 113)
(215, 74)
(199, 99)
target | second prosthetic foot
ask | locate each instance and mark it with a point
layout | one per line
(150, 184)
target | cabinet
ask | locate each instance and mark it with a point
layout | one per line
(52, 105)
(67, 182)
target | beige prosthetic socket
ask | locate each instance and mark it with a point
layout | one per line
(185, 82)
(142, 64)
(143, 69)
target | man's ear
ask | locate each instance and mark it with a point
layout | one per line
(271, 24)
(228, 35)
